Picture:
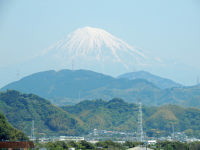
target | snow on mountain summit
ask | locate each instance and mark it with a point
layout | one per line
(93, 39)
(94, 49)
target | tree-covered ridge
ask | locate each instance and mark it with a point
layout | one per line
(105, 115)
(21, 109)
(160, 82)
(119, 115)
(72, 86)
(8, 132)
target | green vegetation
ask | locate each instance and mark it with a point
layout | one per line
(112, 115)
(160, 82)
(105, 145)
(84, 145)
(8, 132)
(121, 116)
(69, 87)
(166, 145)
(21, 109)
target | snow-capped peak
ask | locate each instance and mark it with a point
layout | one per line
(88, 39)
(95, 47)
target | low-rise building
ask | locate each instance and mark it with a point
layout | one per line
(5, 145)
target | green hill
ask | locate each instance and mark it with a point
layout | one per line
(67, 86)
(116, 114)
(70, 87)
(119, 115)
(8, 132)
(160, 82)
(21, 109)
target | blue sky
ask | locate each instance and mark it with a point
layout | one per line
(169, 29)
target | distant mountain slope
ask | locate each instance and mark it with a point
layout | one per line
(162, 83)
(93, 49)
(21, 109)
(119, 115)
(8, 132)
(185, 96)
(65, 83)
(69, 87)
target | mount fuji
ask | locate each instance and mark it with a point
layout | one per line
(95, 49)
(92, 49)
(86, 48)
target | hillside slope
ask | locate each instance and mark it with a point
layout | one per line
(21, 109)
(67, 86)
(8, 132)
(119, 115)
(71, 86)
(160, 82)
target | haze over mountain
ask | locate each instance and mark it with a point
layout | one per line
(72, 86)
(160, 82)
(93, 49)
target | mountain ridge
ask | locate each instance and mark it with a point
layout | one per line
(119, 115)
(85, 48)
(115, 114)
(20, 109)
(71, 86)
(161, 82)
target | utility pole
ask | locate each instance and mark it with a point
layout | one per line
(173, 131)
(32, 131)
(133, 75)
(140, 127)
(72, 65)
(18, 74)
(197, 80)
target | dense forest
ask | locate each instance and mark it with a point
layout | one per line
(116, 114)
(119, 115)
(8, 132)
(72, 86)
(21, 109)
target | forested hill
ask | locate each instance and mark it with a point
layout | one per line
(116, 114)
(71, 86)
(20, 109)
(8, 132)
(160, 82)
(119, 115)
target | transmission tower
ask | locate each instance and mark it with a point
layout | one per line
(133, 75)
(140, 127)
(134, 71)
(198, 80)
(18, 74)
(72, 65)
(173, 135)
(32, 131)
